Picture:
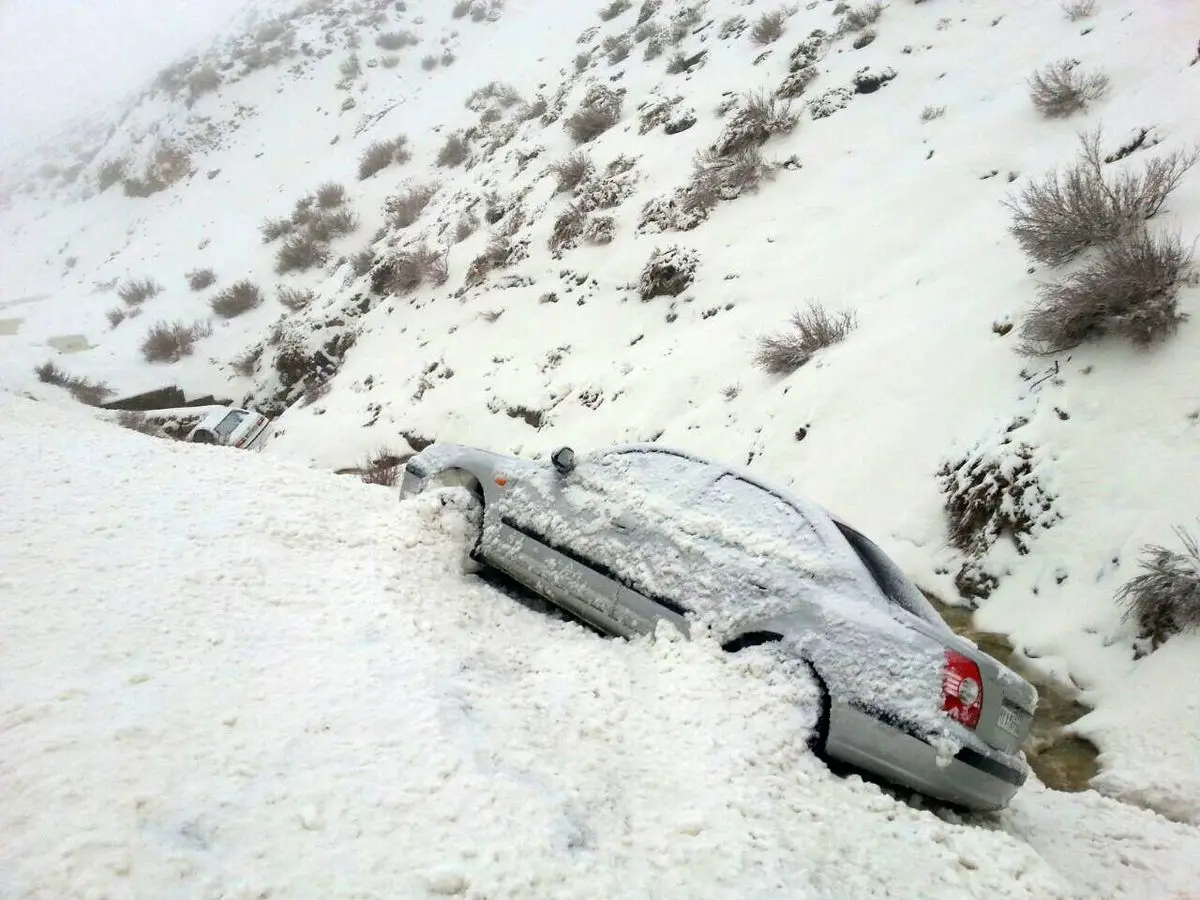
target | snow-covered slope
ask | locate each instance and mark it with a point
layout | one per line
(228, 675)
(889, 206)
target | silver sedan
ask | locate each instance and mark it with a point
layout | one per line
(639, 537)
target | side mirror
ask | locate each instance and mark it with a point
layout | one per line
(563, 460)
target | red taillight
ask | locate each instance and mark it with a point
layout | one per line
(962, 689)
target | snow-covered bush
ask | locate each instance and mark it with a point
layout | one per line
(668, 273)
(1064, 213)
(404, 208)
(993, 491)
(1060, 89)
(168, 165)
(758, 118)
(171, 341)
(614, 9)
(860, 17)
(294, 299)
(812, 329)
(409, 269)
(599, 111)
(1165, 599)
(1078, 9)
(796, 83)
(1128, 290)
(571, 171)
(240, 297)
(299, 253)
(828, 102)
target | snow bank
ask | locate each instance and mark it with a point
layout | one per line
(229, 677)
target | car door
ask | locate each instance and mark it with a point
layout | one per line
(582, 537)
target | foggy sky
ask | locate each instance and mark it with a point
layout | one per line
(58, 58)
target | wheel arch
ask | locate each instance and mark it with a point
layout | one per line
(820, 735)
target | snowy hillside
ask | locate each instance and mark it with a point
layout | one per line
(227, 675)
(527, 223)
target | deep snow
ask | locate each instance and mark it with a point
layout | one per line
(227, 676)
(896, 218)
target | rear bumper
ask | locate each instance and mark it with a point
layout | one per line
(977, 778)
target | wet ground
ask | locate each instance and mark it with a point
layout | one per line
(1064, 762)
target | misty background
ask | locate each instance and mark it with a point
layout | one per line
(60, 59)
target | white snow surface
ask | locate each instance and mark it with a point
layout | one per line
(230, 676)
(895, 218)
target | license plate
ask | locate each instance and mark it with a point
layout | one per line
(1010, 721)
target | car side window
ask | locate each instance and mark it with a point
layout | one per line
(227, 425)
(642, 471)
(895, 586)
(749, 509)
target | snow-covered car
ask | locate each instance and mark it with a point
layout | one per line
(638, 535)
(231, 427)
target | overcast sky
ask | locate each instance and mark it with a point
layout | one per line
(60, 57)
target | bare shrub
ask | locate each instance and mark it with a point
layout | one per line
(171, 341)
(769, 27)
(461, 8)
(273, 229)
(1060, 89)
(362, 262)
(299, 253)
(381, 154)
(465, 227)
(568, 228)
(111, 172)
(726, 177)
(294, 299)
(647, 10)
(496, 255)
(1165, 599)
(1128, 290)
(240, 297)
(199, 279)
(92, 393)
(616, 48)
(138, 421)
(453, 152)
(410, 269)
(330, 195)
(169, 165)
(137, 291)
(614, 9)
(326, 226)
(600, 111)
(1057, 218)
(448, 57)
(1076, 10)
(571, 171)
(50, 373)
(389, 61)
(390, 40)
(406, 207)
(929, 113)
(429, 62)
(382, 468)
(812, 329)
(861, 17)
(115, 316)
(203, 81)
(350, 67)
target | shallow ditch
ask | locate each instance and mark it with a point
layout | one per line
(1064, 762)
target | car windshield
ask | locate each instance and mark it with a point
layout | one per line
(228, 424)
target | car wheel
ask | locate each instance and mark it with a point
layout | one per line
(470, 504)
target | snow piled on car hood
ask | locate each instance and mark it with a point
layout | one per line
(228, 676)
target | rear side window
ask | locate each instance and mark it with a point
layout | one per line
(895, 586)
(227, 425)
